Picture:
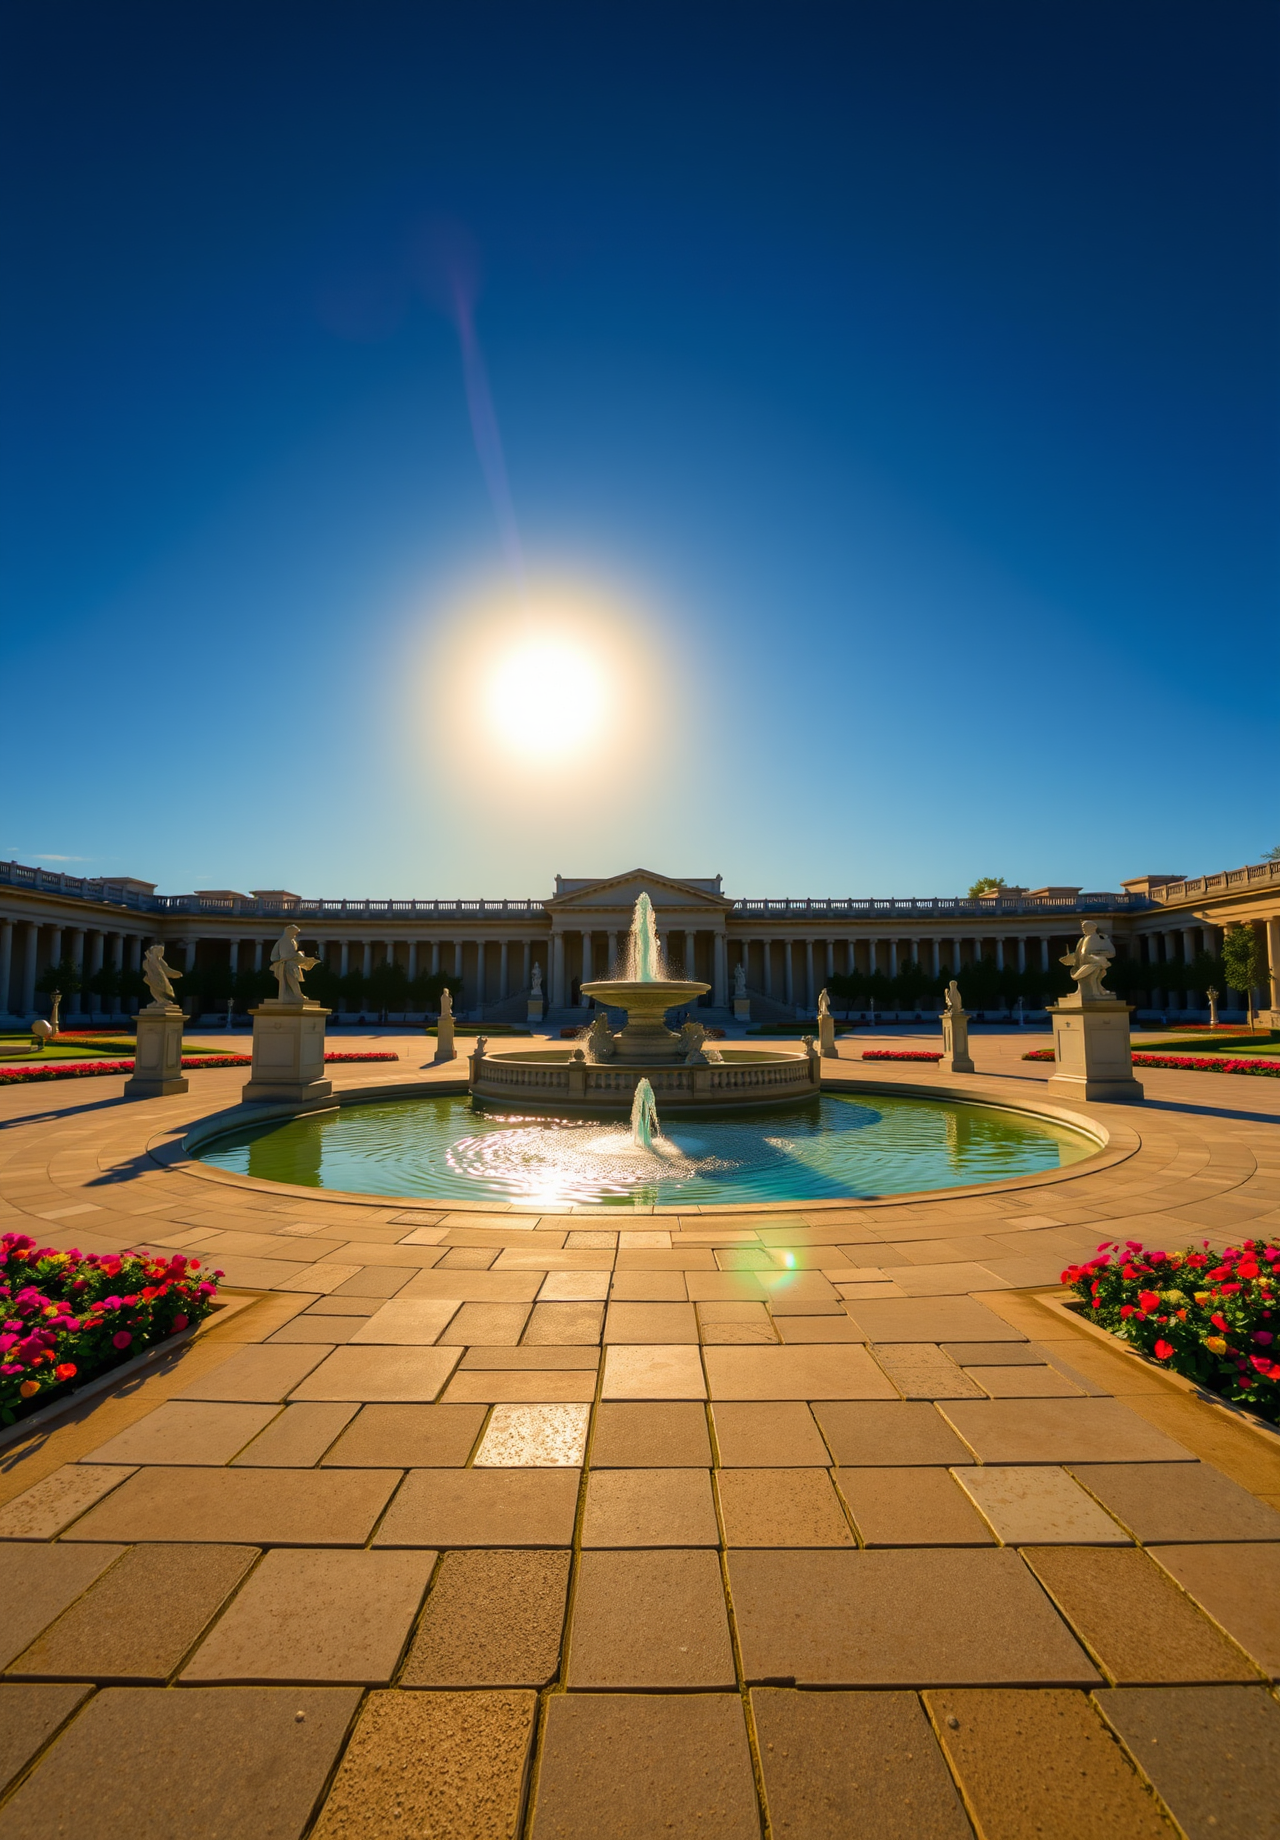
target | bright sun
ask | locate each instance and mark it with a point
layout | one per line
(545, 698)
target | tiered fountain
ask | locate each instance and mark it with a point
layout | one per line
(604, 1070)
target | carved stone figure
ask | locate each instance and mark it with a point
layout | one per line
(953, 999)
(157, 976)
(1089, 961)
(601, 1042)
(824, 1003)
(288, 963)
(739, 980)
(692, 1036)
(535, 984)
(446, 1003)
(482, 1042)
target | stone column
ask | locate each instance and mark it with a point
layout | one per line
(831, 959)
(1022, 951)
(871, 957)
(233, 956)
(504, 971)
(789, 972)
(810, 994)
(526, 973)
(413, 959)
(6, 965)
(368, 958)
(135, 951)
(766, 946)
(1273, 969)
(893, 958)
(1044, 954)
(719, 971)
(28, 992)
(690, 956)
(613, 955)
(557, 971)
(937, 957)
(258, 945)
(588, 969)
(344, 958)
(1000, 952)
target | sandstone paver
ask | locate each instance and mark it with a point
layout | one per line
(52, 1504)
(179, 1432)
(1040, 1506)
(669, 1323)
(141, 1765)
(571, 1323)
(781, 1507)
(649, 1507)
(779, 1433)
(574, 1286)
(1041, 1766)
(539, 1437)
(911, 1507)
(548, 1386)
(254, 1507)
(814, 1372)
(451, 1765)
(1177, 1503)
(1239, 1587)
(1059, 1431)
(840, 1764)
(297, 1437)
(921, 1371)
(327, 1329)
(650, 1434)
(367, 1374)
(406, 1437)
(931, 1319)
(410, 1322)
(29, 1717)
(649, 1620)
(639, 1766)
(1212, 1754)
(488, 1323)
(652, 1371)
(326, 1618)
(37, 1583)
(507, 1359)
(866, 1433)
(817, 1329)
(482, 1507)
(899, 1619)
(493, 1619)
(1142, 1629)
(262, 1374)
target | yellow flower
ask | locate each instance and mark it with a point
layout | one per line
(1215, 1344)
(1202, 1297)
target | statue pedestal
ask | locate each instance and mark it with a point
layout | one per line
(445, 1050)
(955, 1042)
(535, 1010)
(288, 1053)
(157, 1064)
(827, 1037)
(1091, 1048)
(742, 1009)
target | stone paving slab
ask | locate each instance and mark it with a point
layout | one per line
(141, 1765)
(115, 1632)
(1173, 1505)
(1141, 1628)
(493, 1619)
(256, 1375)
(52, 1504)
(179, 1432)
(323, 1618)
(1059, 1431)
(779, 1433)
(29, 1717)
(482, 1507)
(894, 1619)
(635, 1766)
(649, 1507)
(37, 1583)
(367, 1374)
(649, 1620)
(831, 1372)
(1039, 1506)
(650, 1434)
(652, 1371)
(1041, 1765)
(1239, 1587)
(253, 1507)
(297, 1437)
(534, 1436)
(780, 1507)
(572, 1324)
(451, 1765)
(1212, 1754)
(860, 1435)
(841, 1764)
(404, 1436)
(911, 1507)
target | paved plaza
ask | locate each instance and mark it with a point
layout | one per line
(808, 1521)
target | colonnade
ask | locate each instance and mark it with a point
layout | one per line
(22, 959)
(827, 958)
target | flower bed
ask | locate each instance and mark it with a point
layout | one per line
(898, 1054)
(1211, 1319)
(71, 1070)
(1194, 1063)
(69, 1316)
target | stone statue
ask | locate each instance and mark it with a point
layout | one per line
(446, 1003)
(953, 999)
(482, 1042)
(535, 985)
(824, 1003)
(288, 963)
(739, 980)
(601, 1042)
(692, 1036)
(1089, 961)
(157, 976)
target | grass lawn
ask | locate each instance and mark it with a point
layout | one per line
(1261, 1041)
(97, 1047)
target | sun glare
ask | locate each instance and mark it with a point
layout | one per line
(545, 698)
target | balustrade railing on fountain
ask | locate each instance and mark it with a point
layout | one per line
(587, 1082)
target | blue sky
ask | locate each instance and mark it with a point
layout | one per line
(890, 391)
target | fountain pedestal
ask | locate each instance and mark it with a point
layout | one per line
(288, 1052)
(646, 1040)
(1092, 1051)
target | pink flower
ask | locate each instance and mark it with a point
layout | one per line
(121, 1338)
(179, 1322)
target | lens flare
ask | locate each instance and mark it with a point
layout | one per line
(545, 697)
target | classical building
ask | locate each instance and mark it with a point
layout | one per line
(789, 947)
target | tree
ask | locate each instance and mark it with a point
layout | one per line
(1272, 855)
(1244, 963)
(985, 883)
(388, 989)
(63, 977)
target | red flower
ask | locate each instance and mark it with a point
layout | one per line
(1163, 1350)
(65, 1370)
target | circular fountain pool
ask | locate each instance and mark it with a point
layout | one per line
(452, 1148)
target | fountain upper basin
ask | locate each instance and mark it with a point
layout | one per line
(646, 1038)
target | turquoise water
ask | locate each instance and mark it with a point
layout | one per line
(839, 1144)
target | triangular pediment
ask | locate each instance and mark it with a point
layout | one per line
(619, 893)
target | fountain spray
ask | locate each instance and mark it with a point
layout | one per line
(644, 1115)
(646, 963)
